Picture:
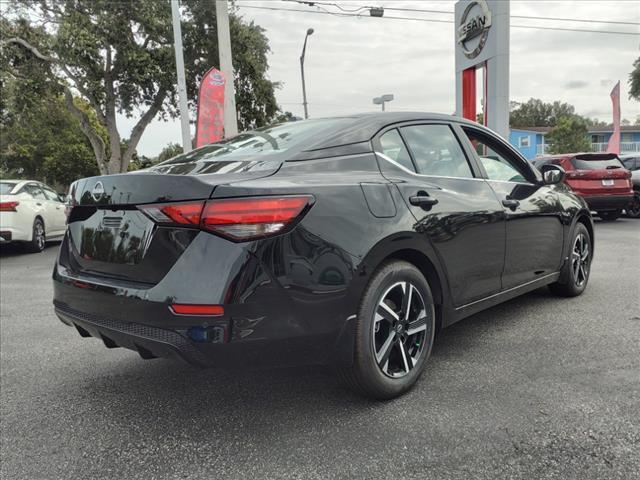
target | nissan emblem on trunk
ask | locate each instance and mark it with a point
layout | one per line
(98, 191)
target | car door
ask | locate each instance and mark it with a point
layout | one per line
(55, 210)
(534, 228)
(455, 210)
(41, 206)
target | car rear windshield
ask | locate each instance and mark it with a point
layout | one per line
(263, 142)
(601, 162)
(6, 187)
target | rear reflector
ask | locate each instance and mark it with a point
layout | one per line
(188, 309)
(8, 206)
(238, 219)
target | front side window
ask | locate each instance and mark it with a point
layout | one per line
(394, 148)
(496, 160)
(50, 194)
(436, 151)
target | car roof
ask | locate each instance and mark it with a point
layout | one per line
(366, 125)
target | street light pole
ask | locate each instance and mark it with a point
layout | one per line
(304, 88)
(382, 100)
(182, 84)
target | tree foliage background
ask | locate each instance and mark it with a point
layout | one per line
(118, 57)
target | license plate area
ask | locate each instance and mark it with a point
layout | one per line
(608, 182)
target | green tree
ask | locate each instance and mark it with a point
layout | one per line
(569, 135)
(634, 81)
(170, 151)
(118, 56)
(536, 113)
(43, 142)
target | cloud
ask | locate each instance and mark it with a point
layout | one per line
(351, 60)
(575, 84)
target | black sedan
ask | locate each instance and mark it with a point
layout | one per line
(343, 241)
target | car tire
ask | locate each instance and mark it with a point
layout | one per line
(38, 238)
(575, 273)
(392, 341)
(610, 215)
(633, 210)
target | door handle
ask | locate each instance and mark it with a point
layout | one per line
(38, 204)
(58, 208)
(510, 203)
(423, 201)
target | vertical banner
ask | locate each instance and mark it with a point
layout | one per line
(210, 123)
(614, 142)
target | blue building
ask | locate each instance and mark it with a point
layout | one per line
(530, 141)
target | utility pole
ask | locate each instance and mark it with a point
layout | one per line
(182, 84)
(304, 88)
(226, 67)
(383, 99)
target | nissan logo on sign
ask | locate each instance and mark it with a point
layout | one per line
(474, 28)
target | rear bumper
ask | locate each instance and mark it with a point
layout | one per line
(608, 202)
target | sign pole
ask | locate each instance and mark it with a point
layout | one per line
(182, 84)
(226, 66)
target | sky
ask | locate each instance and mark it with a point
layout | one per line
(351, 60)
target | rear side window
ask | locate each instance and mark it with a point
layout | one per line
(436, 151)
(6, 187)
(394, 148)
(596, 163)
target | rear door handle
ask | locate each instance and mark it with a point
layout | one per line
(511, 203)
(38, 204)
(423, 201)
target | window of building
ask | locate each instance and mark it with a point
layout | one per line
(524, 142)
(436, 151)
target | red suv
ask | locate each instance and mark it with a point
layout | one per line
(599, 178)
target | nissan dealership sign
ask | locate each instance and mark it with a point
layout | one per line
(473, 29)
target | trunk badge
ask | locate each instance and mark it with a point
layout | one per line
(98, 191)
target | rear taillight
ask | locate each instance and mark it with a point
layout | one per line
(238, 219)
(8, 206)
(191, 309)
(246, 218)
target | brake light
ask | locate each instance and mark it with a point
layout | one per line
(237, 219)
(181, 213)
(254, 217)
(190, 309)
(8, 206)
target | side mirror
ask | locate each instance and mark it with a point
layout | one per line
(552, 174)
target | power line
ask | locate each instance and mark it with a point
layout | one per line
(431, 20)
(448, 12)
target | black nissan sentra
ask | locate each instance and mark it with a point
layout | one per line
(345, 242)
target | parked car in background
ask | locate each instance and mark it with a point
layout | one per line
(31, 213)
(631, 161)
(343, 241)
(600, 178)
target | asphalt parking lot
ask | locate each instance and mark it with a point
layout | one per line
(539, 387)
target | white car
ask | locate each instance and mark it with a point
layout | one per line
(30, 212)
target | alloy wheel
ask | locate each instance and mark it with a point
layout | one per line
(580, 259)
(399, 329)
(38, 232)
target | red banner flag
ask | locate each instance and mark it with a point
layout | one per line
(614, 141)
(210, 123)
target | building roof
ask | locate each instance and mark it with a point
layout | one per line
(603, 129)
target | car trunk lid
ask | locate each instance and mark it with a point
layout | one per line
(110, 234)
(598, 174)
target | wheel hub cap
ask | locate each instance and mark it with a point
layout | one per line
(399, 329)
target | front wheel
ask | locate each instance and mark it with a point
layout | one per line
(575, 273)
(610, 215)
(633, 210)
(38, 238)
(394, 332)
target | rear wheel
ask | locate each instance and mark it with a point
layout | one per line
(575, 274)
(394, 332)
(610, 215)
(38, 238)
(633, 210)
